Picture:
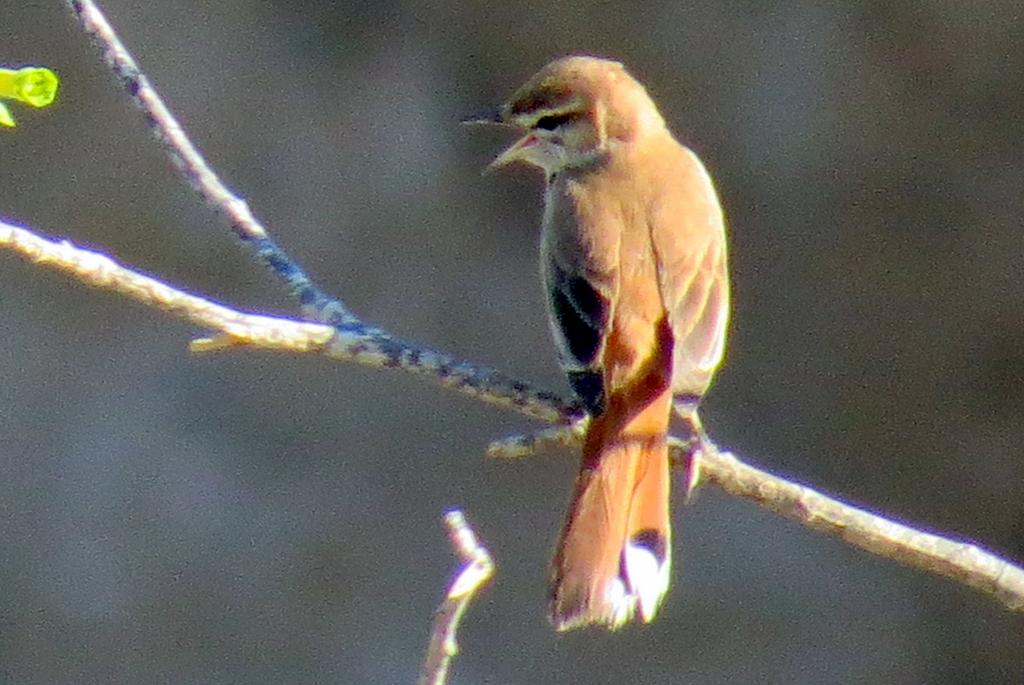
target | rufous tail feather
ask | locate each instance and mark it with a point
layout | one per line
(613, 558)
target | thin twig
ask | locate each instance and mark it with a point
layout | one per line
(187, 159)
(520, 446)
(95, 269)
(476, 571)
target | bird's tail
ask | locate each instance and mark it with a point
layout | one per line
(614, 555)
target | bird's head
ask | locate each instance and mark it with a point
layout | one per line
(572, 112)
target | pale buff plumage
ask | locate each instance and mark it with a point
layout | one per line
(633, 258)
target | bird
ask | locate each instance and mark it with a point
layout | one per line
(634, 266)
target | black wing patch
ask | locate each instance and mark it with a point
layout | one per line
(589, 387)
(580, 314)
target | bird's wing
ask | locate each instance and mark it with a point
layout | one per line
(688, 234)
(580, 280)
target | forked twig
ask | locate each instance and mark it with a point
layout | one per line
(477, 569)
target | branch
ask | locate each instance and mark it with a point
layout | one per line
(963, 562)
(97, 270)
(477, 570)
(356, 342)
(352, 340)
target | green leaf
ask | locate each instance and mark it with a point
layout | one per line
(5, 116)
(35, 86)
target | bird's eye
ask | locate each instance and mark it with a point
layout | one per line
(553, 121)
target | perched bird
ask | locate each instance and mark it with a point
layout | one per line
(633, 259)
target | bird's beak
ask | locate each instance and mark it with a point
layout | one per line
(492, 116)
(517, 152)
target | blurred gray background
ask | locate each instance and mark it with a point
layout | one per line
(251, 518)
